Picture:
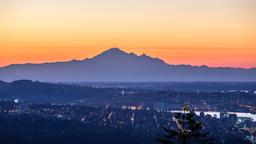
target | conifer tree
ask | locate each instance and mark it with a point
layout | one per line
(189, 130)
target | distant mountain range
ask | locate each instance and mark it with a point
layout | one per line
(115, 65)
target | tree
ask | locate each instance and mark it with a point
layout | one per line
(189, 129)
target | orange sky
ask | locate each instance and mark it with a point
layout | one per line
(197, 32)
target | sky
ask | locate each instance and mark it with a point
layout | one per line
(197, 32)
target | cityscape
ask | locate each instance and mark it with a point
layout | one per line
(137, 114)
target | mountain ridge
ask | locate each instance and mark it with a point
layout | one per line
(117, 65)
(132, 53)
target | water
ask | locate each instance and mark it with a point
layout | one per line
(217, 114)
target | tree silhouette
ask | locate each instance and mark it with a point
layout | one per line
(189, 130)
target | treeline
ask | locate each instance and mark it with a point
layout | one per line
(47, 92)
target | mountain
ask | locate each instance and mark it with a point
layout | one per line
(115, 65)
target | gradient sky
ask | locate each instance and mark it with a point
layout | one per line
(197, 32)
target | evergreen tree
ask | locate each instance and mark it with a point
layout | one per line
(189, 130)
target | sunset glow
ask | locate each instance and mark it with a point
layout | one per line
(197, 32)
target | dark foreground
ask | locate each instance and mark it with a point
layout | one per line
(40, 113)
(67, 124)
